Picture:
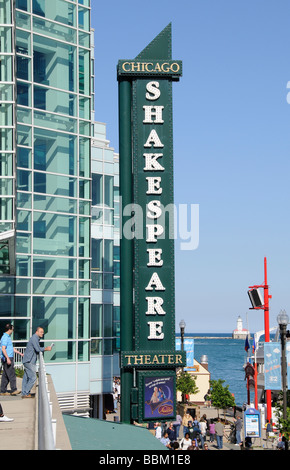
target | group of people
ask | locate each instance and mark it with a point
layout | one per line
(116, 392)
(195, 432)
(29, 359)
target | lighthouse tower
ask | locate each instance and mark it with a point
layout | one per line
(240, 332)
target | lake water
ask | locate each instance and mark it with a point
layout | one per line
(226, 358)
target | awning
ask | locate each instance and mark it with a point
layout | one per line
(95, 434)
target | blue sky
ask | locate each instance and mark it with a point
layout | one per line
(231, 128)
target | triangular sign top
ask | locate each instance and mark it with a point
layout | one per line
(158, 49)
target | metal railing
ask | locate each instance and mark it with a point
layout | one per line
(46, 431)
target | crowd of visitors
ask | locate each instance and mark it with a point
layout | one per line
(195, 433)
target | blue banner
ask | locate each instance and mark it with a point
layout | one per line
(288, 364)
(188, 345)
(272, 366)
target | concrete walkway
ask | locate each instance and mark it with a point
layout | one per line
(22, 432)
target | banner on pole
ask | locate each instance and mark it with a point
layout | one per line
(188, 345)
(272, 365)
(288, 364)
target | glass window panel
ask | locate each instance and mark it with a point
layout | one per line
(23, 42)
(108, 347)
(97, 215)
(22, 20)
(23, 200)
(57, 315)
(6, 68)
(60, 11)
(108, 255)
(6, 186)
(24, 115)
(54, 100)
(55, 121)
(6, 114)
(23, 157)
(83, 318)
(109, 185)
(84, 39)
(54, 30)
(6, 164)
(55, 152)
(97, 280)
(63, 351)
(24, 180)
(6, 207)
(84, 72)
(23, 286)
(84, 157)
(84, 107)
(54, 63)
(96, 347)
(24, 220)
(23, 135)
(53, 287)
(23, 242)
(54, 184)
(97, 254)
(23, 265)
(108, 281)
(96, 320)
(83, 350)
(6, 92)
(97, 189)
(54, 234)
(23, 5)
(84, 18)
(55, 204)
(97, 153)
(5, 39)
(6, 139)
(23, 67)
(84, 189)
(54, 267)
(23, 94)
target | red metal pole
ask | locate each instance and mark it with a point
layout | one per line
(256, 386)
(267, 333)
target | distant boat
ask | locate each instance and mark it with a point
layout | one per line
(240, 332)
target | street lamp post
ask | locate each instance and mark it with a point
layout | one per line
(283, 321)
(182, 326)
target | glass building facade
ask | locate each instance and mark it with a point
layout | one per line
(105, 270)
(46, 104)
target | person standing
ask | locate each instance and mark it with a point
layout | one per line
(211, 431)
(7, 360)
(176, 424)
(203, 428)
(185, 420)
(238, 427)
(3, 418)
(219, 430)
(29, 361)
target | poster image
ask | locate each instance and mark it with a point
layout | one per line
(158, 397)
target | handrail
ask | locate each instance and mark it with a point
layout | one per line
(45, 429)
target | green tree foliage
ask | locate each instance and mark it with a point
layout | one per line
(185, 383)
(283, 424)
(221, 397)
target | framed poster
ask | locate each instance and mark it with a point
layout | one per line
(157, 397)
(252, 423)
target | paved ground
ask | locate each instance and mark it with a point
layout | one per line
(212, 413)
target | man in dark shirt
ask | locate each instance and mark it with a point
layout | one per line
(29, 361)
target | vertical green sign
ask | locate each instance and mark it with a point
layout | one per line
(149, 245)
